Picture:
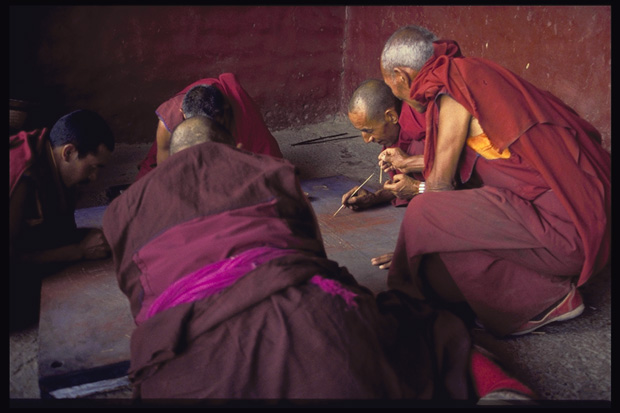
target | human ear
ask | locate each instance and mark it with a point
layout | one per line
(67, 152)
(403, 76)
(391, 116)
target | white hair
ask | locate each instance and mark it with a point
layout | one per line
(409, 46)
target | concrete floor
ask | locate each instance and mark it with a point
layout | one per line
(563, 362)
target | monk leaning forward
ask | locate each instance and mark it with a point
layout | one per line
(535, 224)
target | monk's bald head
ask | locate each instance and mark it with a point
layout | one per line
(196, 130)
(373, 98)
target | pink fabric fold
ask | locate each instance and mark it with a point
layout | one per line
(212, 278)
(334, 288)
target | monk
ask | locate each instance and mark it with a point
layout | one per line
(234, 298)
(534, 224)
(381, 118)
(45, 169)
(235, 109)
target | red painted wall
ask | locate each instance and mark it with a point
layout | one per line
(300, 63)
(123, 61)
(563, 49)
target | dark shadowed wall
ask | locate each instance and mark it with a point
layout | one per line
(123, 61)
(300, 63)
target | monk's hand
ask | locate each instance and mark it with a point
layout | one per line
(361, 200)
(94, 246)
(402, 186)
(391, 159)
(383, 261)
(383, 164)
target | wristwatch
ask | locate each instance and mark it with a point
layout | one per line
(421, 187)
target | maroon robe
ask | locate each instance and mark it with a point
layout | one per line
(47, 221)
(273, 333)
(249, 127)
(49, 207)
(541, 217)
(24, 150)
(410, 139)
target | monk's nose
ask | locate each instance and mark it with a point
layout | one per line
(93, 176)
(367, 137)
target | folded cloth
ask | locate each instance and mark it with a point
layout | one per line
(212, 278)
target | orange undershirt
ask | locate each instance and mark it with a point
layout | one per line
(482, 145)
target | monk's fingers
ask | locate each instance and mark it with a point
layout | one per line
(385, 266)
(347, 196)
(353, 200)
(399, 178)
(386, 166)
(389, 185)
(382, 261)
(357, 198)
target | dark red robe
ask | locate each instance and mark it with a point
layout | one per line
(540, 218)
(47, 221)
(249, 127)
(410, 139)
(48, 211)
(273, 333)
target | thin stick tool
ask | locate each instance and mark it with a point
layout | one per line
(355, 192)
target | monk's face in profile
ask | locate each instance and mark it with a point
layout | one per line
(399, 81)
(383, 131)
(75, 170)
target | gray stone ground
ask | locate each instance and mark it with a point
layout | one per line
(564, 362)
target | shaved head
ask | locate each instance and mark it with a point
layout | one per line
(373, 97)
(196, 130)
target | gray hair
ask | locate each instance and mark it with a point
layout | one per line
(409, 46)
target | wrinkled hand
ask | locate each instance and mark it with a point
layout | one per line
(383, 261)
(94, 245)
(362, 200)
(392, 159)
(402, 186)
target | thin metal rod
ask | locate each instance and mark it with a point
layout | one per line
(355, 192)
(341, 206)
(317, 139)
(323, 141)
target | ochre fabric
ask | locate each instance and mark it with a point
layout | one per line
(482, 145)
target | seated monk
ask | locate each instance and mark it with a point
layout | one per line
(228, 103)
(533, 222)
(220, 255)
(383, 119)
(46, 167)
